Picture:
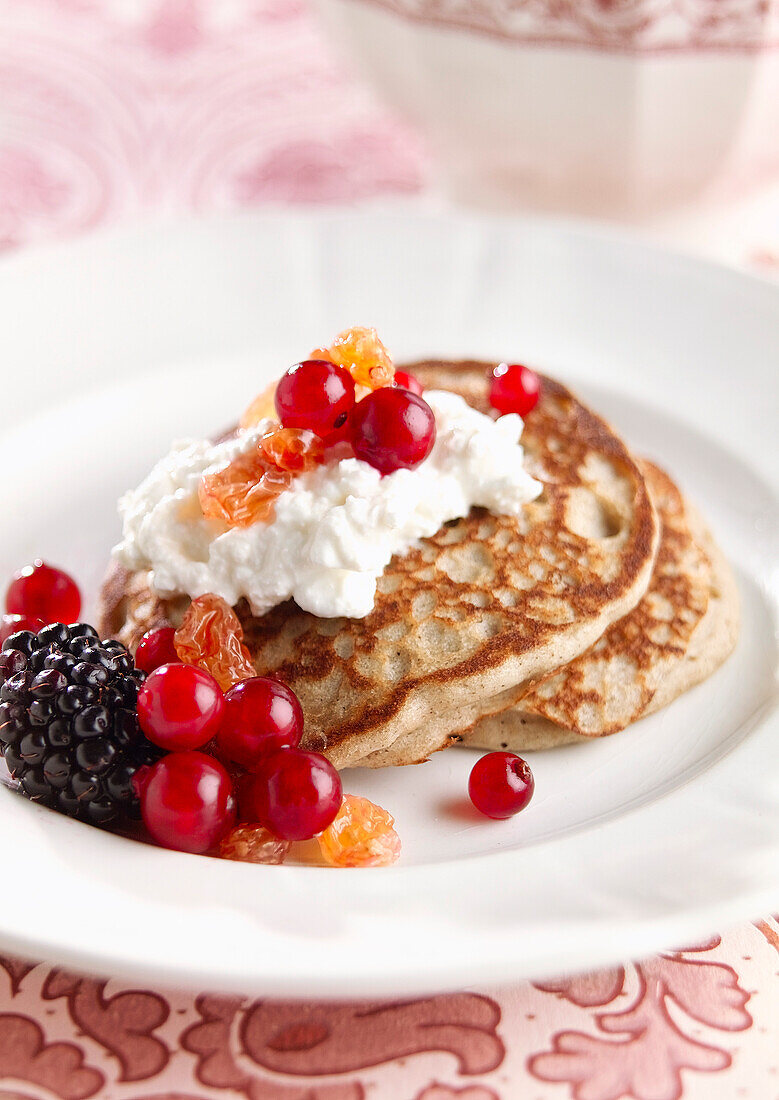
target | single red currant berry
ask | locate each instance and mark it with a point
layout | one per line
(392, 429)
(501, 784)
(514, 389)
(42, 592)
(261, 716)
(316, 395)
(156, 648)
(180, 707)
(293, 793)
(187, 802)
(10, 624)
(406, 381)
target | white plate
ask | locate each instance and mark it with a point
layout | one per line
(115, 344)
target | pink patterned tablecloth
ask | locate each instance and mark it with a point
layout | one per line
(121, 108)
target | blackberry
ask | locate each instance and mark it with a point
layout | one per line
(69, 729)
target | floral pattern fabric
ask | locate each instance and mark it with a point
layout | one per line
(110, 109)
(693, 1024)
(113, 108)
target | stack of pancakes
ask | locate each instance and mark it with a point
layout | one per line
(604, 600)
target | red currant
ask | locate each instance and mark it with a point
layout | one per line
(293, 793)
(10, 624)
(187, 802)
(156, 648)
(42, 592)
(180, 707)
(316, 395)
(393, 429)
(406, 381)
(514, 389)
(501, 784)
(261, 715)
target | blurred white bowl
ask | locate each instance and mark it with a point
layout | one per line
(610, 107)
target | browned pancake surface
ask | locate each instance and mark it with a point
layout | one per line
(612, 684)
(683, 628)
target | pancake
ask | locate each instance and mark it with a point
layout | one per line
(682, 630)
(484, 607)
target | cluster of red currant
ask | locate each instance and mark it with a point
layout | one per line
(189, 800)
(347, 397)
(391, 428)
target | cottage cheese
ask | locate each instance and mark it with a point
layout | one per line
(334, 530)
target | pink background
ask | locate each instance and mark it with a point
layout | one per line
(128, 109)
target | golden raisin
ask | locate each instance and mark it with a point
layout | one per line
(244, 492)
(361, 352)
(254, 844)
(362, 835)
(292, 449)
(211, 637)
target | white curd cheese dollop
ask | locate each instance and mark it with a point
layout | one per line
(334, 530)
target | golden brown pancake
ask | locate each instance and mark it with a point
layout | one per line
(484, 607)
(682, 630)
